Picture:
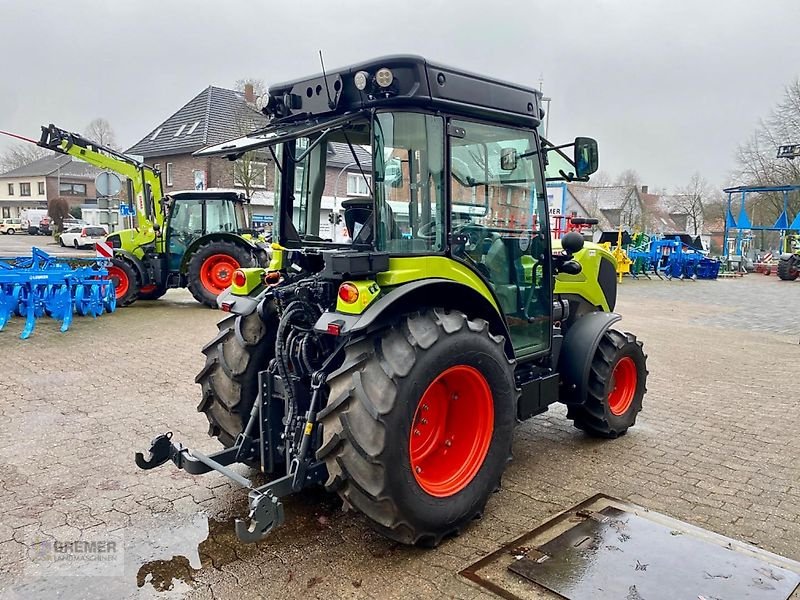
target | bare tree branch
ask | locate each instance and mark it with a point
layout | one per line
(19, 155)
(99, 130)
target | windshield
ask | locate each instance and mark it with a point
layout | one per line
(319, 176)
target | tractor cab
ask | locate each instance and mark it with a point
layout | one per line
(191, 215)
(453, 174)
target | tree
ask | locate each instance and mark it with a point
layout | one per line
(628, 177)
(756, 157)
(19, 155)
(691, 201)
(58, 209)
(99, 130)
(249, 171)
(259, 88)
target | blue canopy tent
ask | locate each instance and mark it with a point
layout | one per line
(743, 223)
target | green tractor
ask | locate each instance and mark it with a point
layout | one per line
(393, 368)
(193, 239)
(789, 262)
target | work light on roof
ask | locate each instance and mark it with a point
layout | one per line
(384, 77)
(360, 79)
(261, 101)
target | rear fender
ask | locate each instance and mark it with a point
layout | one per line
(414, 296)
(577, 353)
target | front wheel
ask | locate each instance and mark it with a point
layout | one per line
(787, 269)
(11, 232)
(126, 285)
(617, 384)
(211, 268)
(418, 425)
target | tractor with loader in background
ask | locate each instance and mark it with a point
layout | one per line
(789, 261)
(193, 239)
(393, 368)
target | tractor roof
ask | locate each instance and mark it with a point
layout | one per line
(415, 82)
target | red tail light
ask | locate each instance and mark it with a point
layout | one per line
(239, 278)
(348, 293)
(83, 232)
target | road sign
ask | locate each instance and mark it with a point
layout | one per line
(104, 250)
(107, 184)
(127, 211)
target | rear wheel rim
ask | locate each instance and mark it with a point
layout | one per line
(623, 386)
(216, 272)
(120, 279)
(451, 431)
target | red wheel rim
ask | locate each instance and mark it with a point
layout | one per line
(623, 381)
(147, 289)
(216, 272)
(451, 431)
(120, 279)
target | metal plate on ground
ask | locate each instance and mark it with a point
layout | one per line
(610, 549)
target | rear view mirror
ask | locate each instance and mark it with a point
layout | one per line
(508, 159)
(585, 157)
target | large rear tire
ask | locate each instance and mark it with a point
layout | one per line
(229, 380)
(417, 430)
(617, 384)
(126, 284)
(211, 268)
(788, 269)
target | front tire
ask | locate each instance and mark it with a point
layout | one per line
(787, 269)
(211, 268)
(418, 426)
(617, 384)
(126, 284)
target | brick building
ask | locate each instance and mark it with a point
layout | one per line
(217, 115)
(31, 185)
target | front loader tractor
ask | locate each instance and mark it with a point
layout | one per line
(789, 261)
(193, 239)
(393, 368)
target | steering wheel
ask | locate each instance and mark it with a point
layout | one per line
(427, 231)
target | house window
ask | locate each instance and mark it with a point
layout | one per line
(10, 189)
(180, 130)
(41, 188)
(193, 127)
(24, 189)
(169, 174)
(252, 174)
(7, 211)
(72, 189)
(358, 184)
(155, 134)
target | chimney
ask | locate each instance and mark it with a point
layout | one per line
(644, 189)
(249, 93)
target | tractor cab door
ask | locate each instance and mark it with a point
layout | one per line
(184, 226)
(499, 214)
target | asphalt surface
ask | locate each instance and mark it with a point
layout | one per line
(715, 446)
(20, 244)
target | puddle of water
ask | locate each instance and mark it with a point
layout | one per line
(164, 555)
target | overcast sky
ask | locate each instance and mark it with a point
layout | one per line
(668, 87)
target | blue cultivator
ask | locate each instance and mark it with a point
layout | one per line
(42, 284)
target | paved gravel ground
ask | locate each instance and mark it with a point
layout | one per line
(714, 446)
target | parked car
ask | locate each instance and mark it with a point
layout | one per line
(70, 223)
(44, 226)
(11, 226)
(82, 236)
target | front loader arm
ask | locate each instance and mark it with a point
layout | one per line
(145, 179)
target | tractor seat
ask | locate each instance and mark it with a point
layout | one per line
(357, 213)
